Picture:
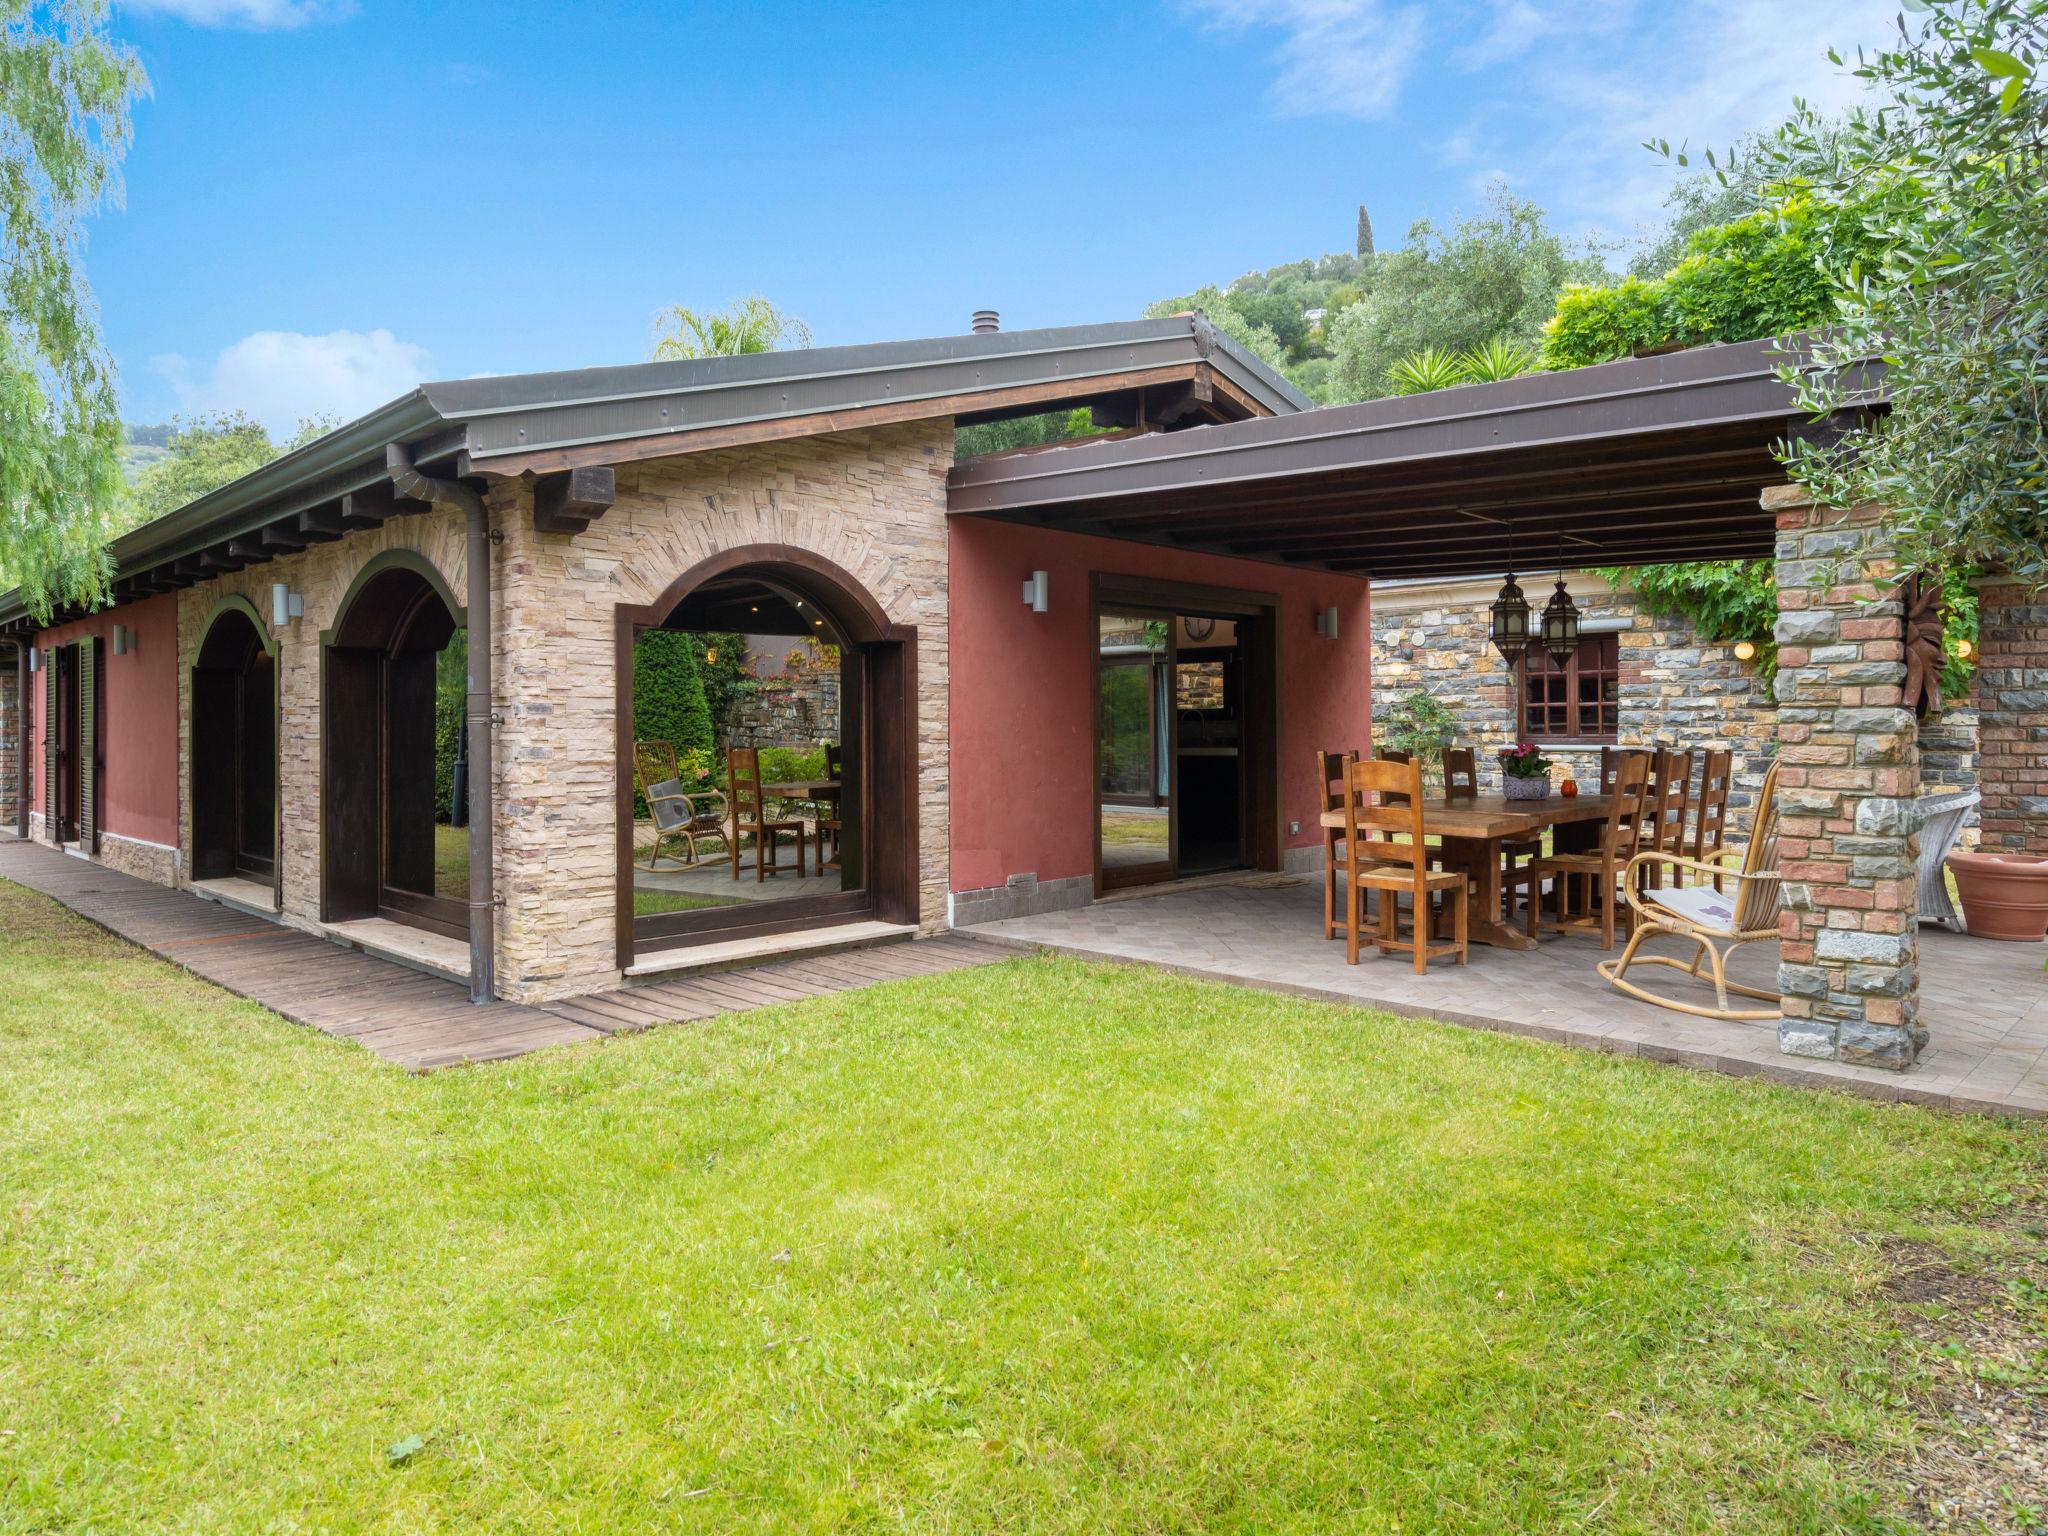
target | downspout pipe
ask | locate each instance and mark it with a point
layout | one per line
(409, 484)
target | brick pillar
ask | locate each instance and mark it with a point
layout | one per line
(1848, 954)
(2012, 716)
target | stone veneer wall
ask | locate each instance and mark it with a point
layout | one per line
(144, 860)
(872, 502)
(2012, 691)
(1848, 834)
(321, 573)
(1676, 688)
(789, 709)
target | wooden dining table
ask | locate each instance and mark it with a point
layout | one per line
(1473, 831)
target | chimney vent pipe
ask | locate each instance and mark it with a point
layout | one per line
(987, 322)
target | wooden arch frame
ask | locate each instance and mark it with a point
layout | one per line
(204, 808)
(371, 678)
(881, 691)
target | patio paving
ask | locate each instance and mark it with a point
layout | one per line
(1985, 1004)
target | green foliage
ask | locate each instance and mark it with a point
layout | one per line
(1420, 372)
(200, 456)
(451, 697)
(1764, 274)
(746, 325)
(668, 695)
(1946, 179)
(1223, 313)
(1420, 726)
(722, 667)
(1024, 432)
(785, 765)
(1493, 276)
(65, 89)
(1728, 601)
(1496, 360)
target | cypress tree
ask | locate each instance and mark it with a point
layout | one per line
(668, 692)
(1364, 231)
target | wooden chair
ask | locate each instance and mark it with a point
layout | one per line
(750, 814)
(828, 818)
(1461, 774)
(1395, 806)
(1717, 922)
(1670, 797)
(1710, 810)
(688, 816)
(1331, 771)
(1598, 871)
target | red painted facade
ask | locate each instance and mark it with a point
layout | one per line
(1023, 757)
(139, 718)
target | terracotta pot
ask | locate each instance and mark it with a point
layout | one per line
(2004, 896)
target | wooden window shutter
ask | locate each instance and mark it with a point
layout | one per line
(88, 741)
(50, 743)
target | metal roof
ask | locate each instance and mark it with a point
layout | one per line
(1641, 461)
(508, 424)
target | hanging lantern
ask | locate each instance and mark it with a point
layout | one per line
(1560, 624)
(1511, 621)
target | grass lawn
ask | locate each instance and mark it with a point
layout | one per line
(1036, 1247)
(648, 902)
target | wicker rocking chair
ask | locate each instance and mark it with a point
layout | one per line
(1717, 923)
(685, 816)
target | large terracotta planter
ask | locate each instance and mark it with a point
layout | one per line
(2004, 896)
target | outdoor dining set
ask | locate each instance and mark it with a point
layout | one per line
(692, 818)
(1646, 851)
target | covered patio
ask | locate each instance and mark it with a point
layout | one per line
(1645, 461)
(1986, 1004)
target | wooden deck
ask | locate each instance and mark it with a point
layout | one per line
(418, 1021)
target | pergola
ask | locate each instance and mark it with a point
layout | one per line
(1644, 461)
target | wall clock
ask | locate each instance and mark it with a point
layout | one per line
(1199, 629)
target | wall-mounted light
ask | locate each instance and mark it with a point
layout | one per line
(1326, 623)
(1745, 650)
(124, 640)
(1036, 591)
(35, 659)
(285, 604)
(1965, 650)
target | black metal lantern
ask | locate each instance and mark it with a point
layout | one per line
(1511, 621)
(1560, 623)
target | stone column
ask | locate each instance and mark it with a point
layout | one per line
(1850, 771)
(2012, 717)
(13, 756)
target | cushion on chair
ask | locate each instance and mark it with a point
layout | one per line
(669, 813)
(1700, 905)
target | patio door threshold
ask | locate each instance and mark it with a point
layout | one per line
(760, 949)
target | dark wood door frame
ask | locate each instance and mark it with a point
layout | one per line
(1257, 615)
(269, 696)
(63, 794)
(882, 659)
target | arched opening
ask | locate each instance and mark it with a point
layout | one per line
(233, 770)
(794, 803)
(390, 705)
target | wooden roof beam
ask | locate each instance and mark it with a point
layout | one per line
(569, 502)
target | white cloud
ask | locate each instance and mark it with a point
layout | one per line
(281, 377)
(254, 15)
(1337, 58)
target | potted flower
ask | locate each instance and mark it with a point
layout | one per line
(1525, 772)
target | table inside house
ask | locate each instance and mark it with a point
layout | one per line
(1473, 832)
(804, 789)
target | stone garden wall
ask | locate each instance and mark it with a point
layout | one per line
(787, 709)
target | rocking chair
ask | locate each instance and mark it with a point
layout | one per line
(1717, 923)
(687, 816)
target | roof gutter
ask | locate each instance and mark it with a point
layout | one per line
(411, 485)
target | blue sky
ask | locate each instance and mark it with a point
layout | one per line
(327, 202)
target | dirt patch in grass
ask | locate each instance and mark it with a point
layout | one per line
(1978, 1327)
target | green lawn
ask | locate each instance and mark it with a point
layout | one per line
(1036, 1247)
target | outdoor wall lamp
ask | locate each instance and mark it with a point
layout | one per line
(285, 604)
(1745, 650)
(1036, 587)
(124, 640)
(1965, 650)
(1326, 623)
(35, 660)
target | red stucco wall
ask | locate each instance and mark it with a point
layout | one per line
(1023, 750)
(140, 693)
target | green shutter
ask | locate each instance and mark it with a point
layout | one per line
(88, 739)
(50, 743)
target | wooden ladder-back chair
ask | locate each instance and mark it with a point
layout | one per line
(1670, 800)
(687, 816)
(1332, 771)
(750, 814)
(1598, 871)
(830, 823)
(1717, 922)
(1710, 811)
(1386, 798)
(1461, 774)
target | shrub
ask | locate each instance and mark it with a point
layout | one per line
(668, 696)
(451, 688)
